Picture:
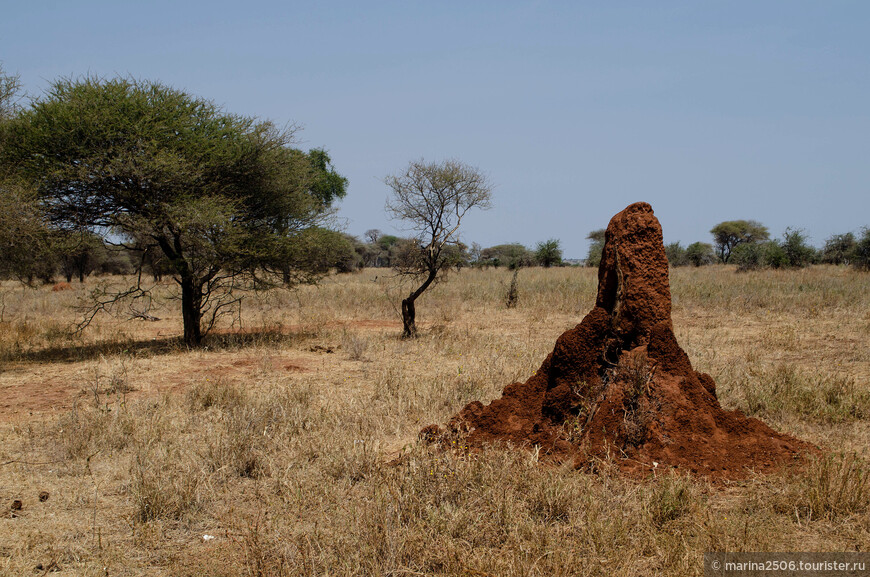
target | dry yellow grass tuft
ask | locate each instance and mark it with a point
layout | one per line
(291, 440)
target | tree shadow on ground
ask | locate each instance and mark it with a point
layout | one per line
(152, 347)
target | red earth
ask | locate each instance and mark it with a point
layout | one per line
(618, 387)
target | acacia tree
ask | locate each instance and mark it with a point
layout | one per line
(224, 198)
(24, 237)
(731, 233)
(432, 198)
(25, 240)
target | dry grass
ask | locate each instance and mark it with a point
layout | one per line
(292, 439)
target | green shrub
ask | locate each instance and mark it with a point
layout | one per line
(839, 249)
(750, 255)
(797, 252)
(676, 254)
(700, 254)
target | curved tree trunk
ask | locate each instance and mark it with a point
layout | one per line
(409, 327)
(409, 313)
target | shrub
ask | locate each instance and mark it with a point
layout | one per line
(791, 252)
(748, 256)
(700, 254)
(839, 249)
(676, 254)
(797, 252)
(773, 255)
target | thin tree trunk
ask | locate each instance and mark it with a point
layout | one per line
(409, 313)
(191, 312)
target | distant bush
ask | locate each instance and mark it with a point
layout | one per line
(790, 252)
(513, 256)
(549, 253)
(839, 249)
(752, 256)
(676, 254)
(700, 254)
(696, 254)
(794, 246)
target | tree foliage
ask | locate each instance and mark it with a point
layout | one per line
(25, 240)
(700, 254)
(596, 247)
(432, 198)
(548, 253)
(729, 234)
(839, 249)
(676, 254)
(225, 198)
(796, 250)
(792, 251)
(512, 255)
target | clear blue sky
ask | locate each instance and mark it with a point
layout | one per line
(709, 110)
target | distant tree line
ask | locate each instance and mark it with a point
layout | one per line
(121, 176)
(379, 250)
(747, 244)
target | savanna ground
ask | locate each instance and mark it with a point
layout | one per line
(292, 439)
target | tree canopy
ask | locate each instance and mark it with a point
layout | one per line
(225, 198)
(731, 233)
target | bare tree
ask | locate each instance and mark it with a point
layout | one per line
(432, 198)
(372, 235)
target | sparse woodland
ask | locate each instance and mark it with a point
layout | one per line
(253, 432)
(292, 438)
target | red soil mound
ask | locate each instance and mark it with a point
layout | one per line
(619, 386)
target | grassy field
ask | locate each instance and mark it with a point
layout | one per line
(292, 438)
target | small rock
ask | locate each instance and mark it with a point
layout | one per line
(43, 496)
(17, 505)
